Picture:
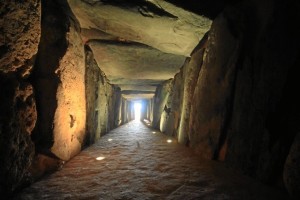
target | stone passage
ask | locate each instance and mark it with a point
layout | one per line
(136, 162)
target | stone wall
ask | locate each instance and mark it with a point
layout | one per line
(126, 110)
(170, 119)
(103, 101)
(19, 39)
(161, 97)
(146, 110)
(173, 99)
(213, 91)
(59, 77)
(109, 97)
(92, 81)
(54, 99)
(265, 111)
(237, 101)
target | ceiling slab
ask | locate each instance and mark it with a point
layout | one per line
(159, 24)
(134, 61)
(138, 44)
(137, 96)
(148, 88)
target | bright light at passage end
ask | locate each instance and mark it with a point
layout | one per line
(137, 111)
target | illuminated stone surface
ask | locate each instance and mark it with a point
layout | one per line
(138, 41)
(158, 23)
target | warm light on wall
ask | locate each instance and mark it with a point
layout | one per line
(110, 140)
(153, 132)
(169, 141)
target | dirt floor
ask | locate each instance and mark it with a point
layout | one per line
(136, 162)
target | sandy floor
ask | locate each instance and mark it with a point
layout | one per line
(138, 163)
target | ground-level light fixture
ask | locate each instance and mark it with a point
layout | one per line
(100, 158)
(169, 141)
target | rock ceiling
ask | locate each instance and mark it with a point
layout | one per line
(138, 43)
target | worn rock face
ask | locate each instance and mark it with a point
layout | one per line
(213, 91)
(108, 102)
(264, 120)
(105, 103)
(20, 34)
(142, 44)
(19, 38)
(190, 72)
(173, 99)
(17, 119)
(135, 61)
(170, 120)
(92, 81)
(291, 169)
(59, 82)
(243, 109)
(234, 99)
(160, 100)
(169, 28)
(126, 113)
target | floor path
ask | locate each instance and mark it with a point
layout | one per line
(136, 162)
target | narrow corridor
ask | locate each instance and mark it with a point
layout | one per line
(136, 162)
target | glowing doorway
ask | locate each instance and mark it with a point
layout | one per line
(137, 110)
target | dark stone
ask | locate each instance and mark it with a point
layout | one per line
(92, 81)
(17, 119)
(291, 169)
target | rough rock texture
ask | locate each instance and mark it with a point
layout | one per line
(155, 23)
(265, 111)
(210, 9)
(213, 91)
(291, 169)
(17, 119)
(170, 119)
(173, 99)
(19, 38)
(190, 74)
(160, 99)
(127, 111)
(19, 35)
(134, 61)
(109, 99)
(141, 44)
(234, 100)
(92, 81)
(244, 109)
(59, 82)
